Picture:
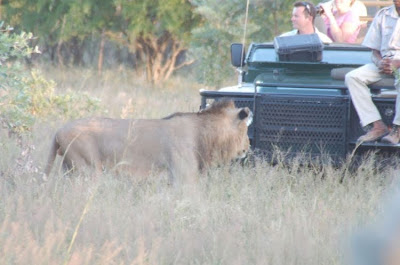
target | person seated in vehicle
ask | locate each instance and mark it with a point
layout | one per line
(303, 16)
(357, 7)
(361, 10)
(383, 37)
(342, 22)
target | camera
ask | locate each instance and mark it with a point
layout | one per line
(319, 10)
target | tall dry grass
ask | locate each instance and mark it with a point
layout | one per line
(253, 214)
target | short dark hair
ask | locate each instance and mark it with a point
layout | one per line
(309, 8)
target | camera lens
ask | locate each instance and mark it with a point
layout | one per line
(319, 10)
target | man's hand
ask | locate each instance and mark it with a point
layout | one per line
(386, 66)
(327, 7)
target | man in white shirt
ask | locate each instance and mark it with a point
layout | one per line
(383, 38)
(303, 16)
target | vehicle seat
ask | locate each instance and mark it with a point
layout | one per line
(386, 83)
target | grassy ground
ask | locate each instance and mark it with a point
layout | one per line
(252, 214)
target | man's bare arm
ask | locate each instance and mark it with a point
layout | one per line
(376, 57)
(385, 64)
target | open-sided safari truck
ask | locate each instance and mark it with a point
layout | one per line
(296, 89)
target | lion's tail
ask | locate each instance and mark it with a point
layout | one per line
(52, 156)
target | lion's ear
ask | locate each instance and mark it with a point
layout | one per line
(244, 113)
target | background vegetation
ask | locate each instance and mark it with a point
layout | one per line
(156, 38)
(93, 58)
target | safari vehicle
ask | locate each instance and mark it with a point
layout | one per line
(299, 100)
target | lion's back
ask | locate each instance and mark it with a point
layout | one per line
(92, 134)
(166, 144)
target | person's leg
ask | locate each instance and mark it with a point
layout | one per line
(357, 82)
(394, 136)
(396, 119)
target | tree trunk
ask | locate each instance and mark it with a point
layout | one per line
(101, 53)
(161, 56)
(60, 42)
(275, 19)
(77, 51)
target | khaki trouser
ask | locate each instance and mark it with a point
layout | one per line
(357, 81)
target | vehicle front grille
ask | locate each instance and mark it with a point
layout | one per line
(310, 126)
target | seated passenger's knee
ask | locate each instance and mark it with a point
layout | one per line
(348, 78)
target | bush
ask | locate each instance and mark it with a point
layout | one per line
(25, 95)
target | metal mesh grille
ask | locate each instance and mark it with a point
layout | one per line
(386, 107)
(298, 124)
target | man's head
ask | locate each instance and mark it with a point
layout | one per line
(303, 16)
(397, 5)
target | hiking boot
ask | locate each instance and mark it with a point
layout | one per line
(378, 130)
(394, 136)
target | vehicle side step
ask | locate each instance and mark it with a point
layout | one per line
(375, 144)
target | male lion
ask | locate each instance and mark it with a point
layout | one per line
(184, 144)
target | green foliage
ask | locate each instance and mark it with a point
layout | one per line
(158, 32)
(155, 17)
(224, 23)
(60, 20)
(34, 98)
(25, 95)
(213, 65)
(12, 47)
(275, 16)
(43, 17)
(46, 103)
(396, 73)
(62, 27)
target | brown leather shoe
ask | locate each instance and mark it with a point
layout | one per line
(393, 137)
(378, 130)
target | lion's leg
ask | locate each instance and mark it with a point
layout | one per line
(183, 168)
(98, 167)
(67, 165)
(71, 163)
(81, 158)
(73, 160)
(91, 157)
(52, 156)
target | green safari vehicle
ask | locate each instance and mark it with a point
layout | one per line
(301, 105)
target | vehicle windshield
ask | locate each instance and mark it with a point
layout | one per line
(334, 53)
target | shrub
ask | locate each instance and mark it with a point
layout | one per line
(25, 95)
